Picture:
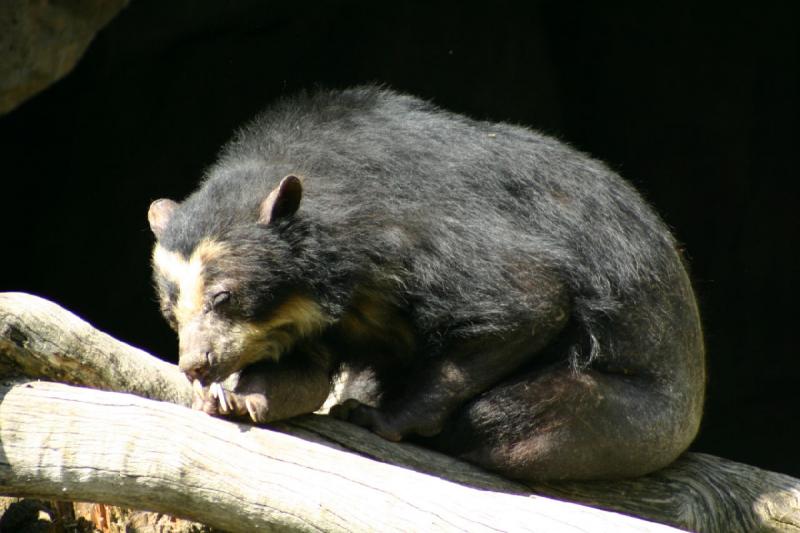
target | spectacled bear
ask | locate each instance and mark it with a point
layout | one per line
(488, 290)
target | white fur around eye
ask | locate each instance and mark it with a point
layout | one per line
(187, 274)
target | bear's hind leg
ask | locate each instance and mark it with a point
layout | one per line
(559, 423)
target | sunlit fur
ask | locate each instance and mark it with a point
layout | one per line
(297, 318)
(187, 274)
(473, 268)
(236, 343)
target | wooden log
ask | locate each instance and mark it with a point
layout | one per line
(104, 447)
(40, 339)
(62, 441)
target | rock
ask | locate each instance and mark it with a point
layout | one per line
(42, 40)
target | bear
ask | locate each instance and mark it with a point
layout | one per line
(482, 288)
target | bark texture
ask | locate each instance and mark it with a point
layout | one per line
(67, 442)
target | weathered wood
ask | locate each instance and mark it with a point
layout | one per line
(41, 339)
(63, 441)
(698, 492)
(56, 437)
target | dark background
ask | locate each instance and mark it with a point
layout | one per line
(695, 105)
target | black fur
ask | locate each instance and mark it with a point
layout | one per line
(482, 238)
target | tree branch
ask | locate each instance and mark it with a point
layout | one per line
(73, 443)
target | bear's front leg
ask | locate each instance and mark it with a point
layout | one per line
(266, 392)
(435, 390)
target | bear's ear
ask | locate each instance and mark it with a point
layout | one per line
(281, 202)
(159, 214)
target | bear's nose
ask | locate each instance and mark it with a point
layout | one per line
(196, 366)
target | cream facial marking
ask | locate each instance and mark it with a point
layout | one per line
(187, 274)
(296, 318)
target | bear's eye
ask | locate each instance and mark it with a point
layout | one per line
(220, 298)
